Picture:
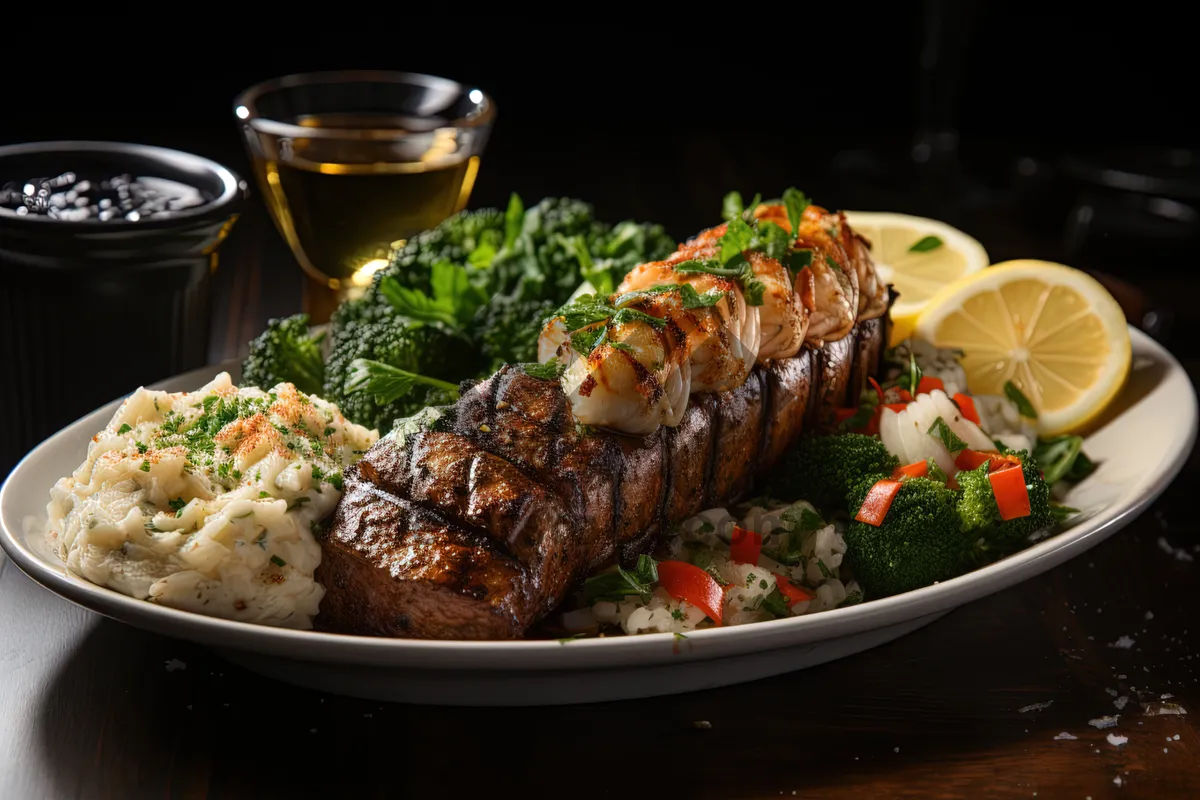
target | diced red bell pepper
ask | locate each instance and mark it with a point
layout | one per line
(687, 582)
(966, 404)
(794, 594)
(918, 470)
(746, 546)
(1012, 495)
(928, 383)
(877, 502)
(971, 459)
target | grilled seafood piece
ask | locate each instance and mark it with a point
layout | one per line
(835, 284)
(783, 317)
(629, 372)
(726, 336)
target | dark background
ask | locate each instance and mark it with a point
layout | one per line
(655, 120)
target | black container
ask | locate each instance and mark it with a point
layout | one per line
(90, 310)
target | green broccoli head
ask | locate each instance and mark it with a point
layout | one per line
(509, 327)
(918, 543)
(414, 348)
(286, 352)
(469, 237)
(824, 469)
(979, 515)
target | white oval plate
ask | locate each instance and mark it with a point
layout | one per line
(1141, 445)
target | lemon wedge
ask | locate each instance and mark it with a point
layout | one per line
(1053, 331)
(918, 256)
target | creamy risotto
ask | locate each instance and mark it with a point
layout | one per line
(209, 501)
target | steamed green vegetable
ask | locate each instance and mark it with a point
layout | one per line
(286, 353)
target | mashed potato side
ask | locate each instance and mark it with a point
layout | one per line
(209, 501)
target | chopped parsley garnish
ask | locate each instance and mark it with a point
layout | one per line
(804, 520)
(940, 429)
(336, 480)
(825, 572)
(742, 272)
(329, 431)
(616, 586)
(936, 473)
(318, 530)
(141, 447)
(124, 429)
(677, 614)
(177, 505)
(1022, 402)
(264, 494)
(317, 472)
(550, 371)
(145, 466)
(926, 244)
(833, 264)
(277, 561)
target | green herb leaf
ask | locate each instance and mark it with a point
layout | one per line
(799, 259)
(622, 346)
(748, 213)
(141, 447)
(572, 638)
(263, 494)
(145, 467)
(773, 241)
(616, 586)
(454, 302)
(387, 383)
(737, 238)
(1025, 407)
(1061, 457)
(514, 221)
(731, 206)
(1061, 512)
(124, 429)
(833, 264)
(586, 340)
(177, 505)
(626, 315)
(911, 380)
(825, 572)
(852, 599)
(795, 202)
(585, 310)
(776, 605)
(277, 561)
(926, 244)
(550, 371)
(802, 520)
(427, 419)
(936, 473)
(940, 429)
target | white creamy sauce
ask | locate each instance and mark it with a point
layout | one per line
(209, 501)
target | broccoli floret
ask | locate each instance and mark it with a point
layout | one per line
(918, 543)
(415, 348)
(823, 469)
(980, 517)
(509, 328)
(286, 352)
(455, 239)
(631, 243)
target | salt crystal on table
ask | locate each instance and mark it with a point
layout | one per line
(1124, 643)
(1064, 735)
(1116, 741)
(1104, 722)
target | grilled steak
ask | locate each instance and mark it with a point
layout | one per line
(478, 525)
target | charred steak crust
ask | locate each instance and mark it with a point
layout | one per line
(478, 528)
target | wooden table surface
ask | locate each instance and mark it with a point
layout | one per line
(993, 700)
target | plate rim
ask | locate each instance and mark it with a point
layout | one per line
(492, 656)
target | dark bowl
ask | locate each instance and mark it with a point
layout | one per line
(92, 309)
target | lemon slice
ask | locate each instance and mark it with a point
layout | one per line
(1054, 331)
(918, 256)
